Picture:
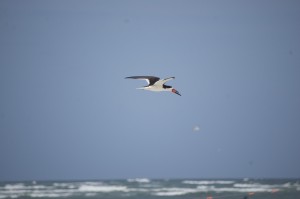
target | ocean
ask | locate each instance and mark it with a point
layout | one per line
(143, 188)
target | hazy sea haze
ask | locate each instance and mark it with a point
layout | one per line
(144, 188)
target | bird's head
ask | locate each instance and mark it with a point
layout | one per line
(175, 91)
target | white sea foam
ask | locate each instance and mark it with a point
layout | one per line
(73, 185)
(204, 188)
(144, 185)
(265, 187)
(287, 185)
(174, 191)
(139, 180)
(103, 188)
(62, 184)
(15, 186)
(207, 182)
(49, 195)
(253, 185)
(58, 190)
(235, 189)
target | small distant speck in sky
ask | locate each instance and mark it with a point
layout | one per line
(196, 128)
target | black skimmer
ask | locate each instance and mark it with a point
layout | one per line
(156, 84)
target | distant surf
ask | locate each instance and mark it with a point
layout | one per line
(146, 188)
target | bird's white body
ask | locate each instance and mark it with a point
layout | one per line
(156, 88)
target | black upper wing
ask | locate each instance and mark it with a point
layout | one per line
(151, 79)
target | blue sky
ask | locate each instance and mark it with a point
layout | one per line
(66, 111)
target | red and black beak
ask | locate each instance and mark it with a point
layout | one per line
(175, 91)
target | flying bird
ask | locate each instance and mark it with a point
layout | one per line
(156, 84)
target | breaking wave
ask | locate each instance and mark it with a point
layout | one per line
(139, 180)
(57, 190)
(207, 182)
(140, 187)
(174, 191)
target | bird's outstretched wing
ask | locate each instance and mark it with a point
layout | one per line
(162, 81)
(150, 79)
